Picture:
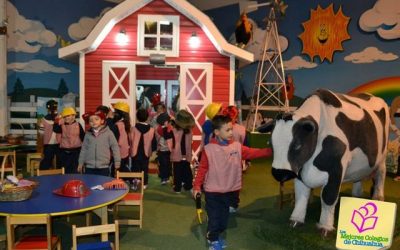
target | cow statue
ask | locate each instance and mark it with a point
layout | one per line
(331, 138)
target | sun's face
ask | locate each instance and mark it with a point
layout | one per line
(324, 33)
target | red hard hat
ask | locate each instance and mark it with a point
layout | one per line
(73, 188)
(156, 99)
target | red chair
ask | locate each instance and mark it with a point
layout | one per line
(31, 242)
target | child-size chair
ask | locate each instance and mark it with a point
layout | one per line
(93, 230)
(132, 198)
(31, 242)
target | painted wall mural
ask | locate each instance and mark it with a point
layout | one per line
(363, 56)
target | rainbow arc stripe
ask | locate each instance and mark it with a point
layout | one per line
(386, 88)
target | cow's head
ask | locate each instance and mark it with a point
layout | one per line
(293, 142)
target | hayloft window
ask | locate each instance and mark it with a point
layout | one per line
(158, 34)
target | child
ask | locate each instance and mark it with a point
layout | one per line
(158, 107)
(181, 154)
(239, 135)
(122, 121)
(164, 146)
(220, 173)
(70, 135)
(109, 119)
(211, 110)
(51, 147)
(143, 142)
(95, 153)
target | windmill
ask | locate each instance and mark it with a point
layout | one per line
(269, 92)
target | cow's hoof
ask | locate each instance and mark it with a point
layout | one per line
(294, 224)
(324, 233)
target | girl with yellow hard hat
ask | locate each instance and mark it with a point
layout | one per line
(70, 135)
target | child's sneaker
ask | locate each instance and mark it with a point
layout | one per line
(397, 178)
(215, 245)
(222, 242)
(232, 210)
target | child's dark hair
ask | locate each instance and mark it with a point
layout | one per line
(142, 115)
(118, 115)
(103, 109)
(219, 120)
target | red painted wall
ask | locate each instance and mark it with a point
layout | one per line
(109, 50)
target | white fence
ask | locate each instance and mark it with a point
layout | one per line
(23, 119)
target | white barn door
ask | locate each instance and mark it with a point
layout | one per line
(119, 84)
(196, 94)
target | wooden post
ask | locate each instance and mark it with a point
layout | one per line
(3, 71)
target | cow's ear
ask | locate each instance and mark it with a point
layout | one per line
(307, 125)
(266, 127)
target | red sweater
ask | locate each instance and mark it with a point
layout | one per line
(220, 168)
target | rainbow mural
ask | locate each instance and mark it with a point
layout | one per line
(385, 88)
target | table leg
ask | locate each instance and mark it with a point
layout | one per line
(102, 213)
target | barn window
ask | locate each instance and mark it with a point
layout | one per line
(158, 34)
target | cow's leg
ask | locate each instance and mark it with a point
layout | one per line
(329, 197)
(302, 194)
(357, 190)
(379, 182)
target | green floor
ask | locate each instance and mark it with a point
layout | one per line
(170, 219)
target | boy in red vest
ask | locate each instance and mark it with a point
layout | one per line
(143, 144)
(220, 174)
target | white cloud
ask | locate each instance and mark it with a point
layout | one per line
(80, 30)
(36, 66)
(370, 55)
(384, 18)
(297, 62)
(25, 35)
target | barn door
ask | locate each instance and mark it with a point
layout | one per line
(119, 84)
(196, 94)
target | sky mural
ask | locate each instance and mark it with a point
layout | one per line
(368, 57)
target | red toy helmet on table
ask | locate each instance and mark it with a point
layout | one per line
(73, 188)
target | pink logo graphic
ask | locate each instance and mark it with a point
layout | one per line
(363, 218)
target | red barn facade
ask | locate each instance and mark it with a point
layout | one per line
(156, 32)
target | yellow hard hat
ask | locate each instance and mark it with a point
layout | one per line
(123, 106)
(213, 109)
(68, 111)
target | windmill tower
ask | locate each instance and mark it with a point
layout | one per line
(269, 92)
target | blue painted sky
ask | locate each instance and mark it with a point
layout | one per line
(53, 18)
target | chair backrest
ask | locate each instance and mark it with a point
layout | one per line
(50, 171)
(13, 221)
(10, 157)
(93, 230)
(135, 175)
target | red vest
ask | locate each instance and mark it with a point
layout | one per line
(123, 141)
(224, 167)
(70, 136)
(147, 138)
(176, 154)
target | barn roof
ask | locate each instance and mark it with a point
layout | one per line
(127, 7)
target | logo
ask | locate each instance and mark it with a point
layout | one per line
(364, 218)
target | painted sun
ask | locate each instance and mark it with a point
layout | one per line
(324, 33)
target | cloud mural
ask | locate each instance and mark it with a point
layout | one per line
(25, 35)
(370, 55)
(384, 18)
(80, 30)
(297, 62)
(36, 67)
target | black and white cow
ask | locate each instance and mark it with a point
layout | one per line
(331, 138)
